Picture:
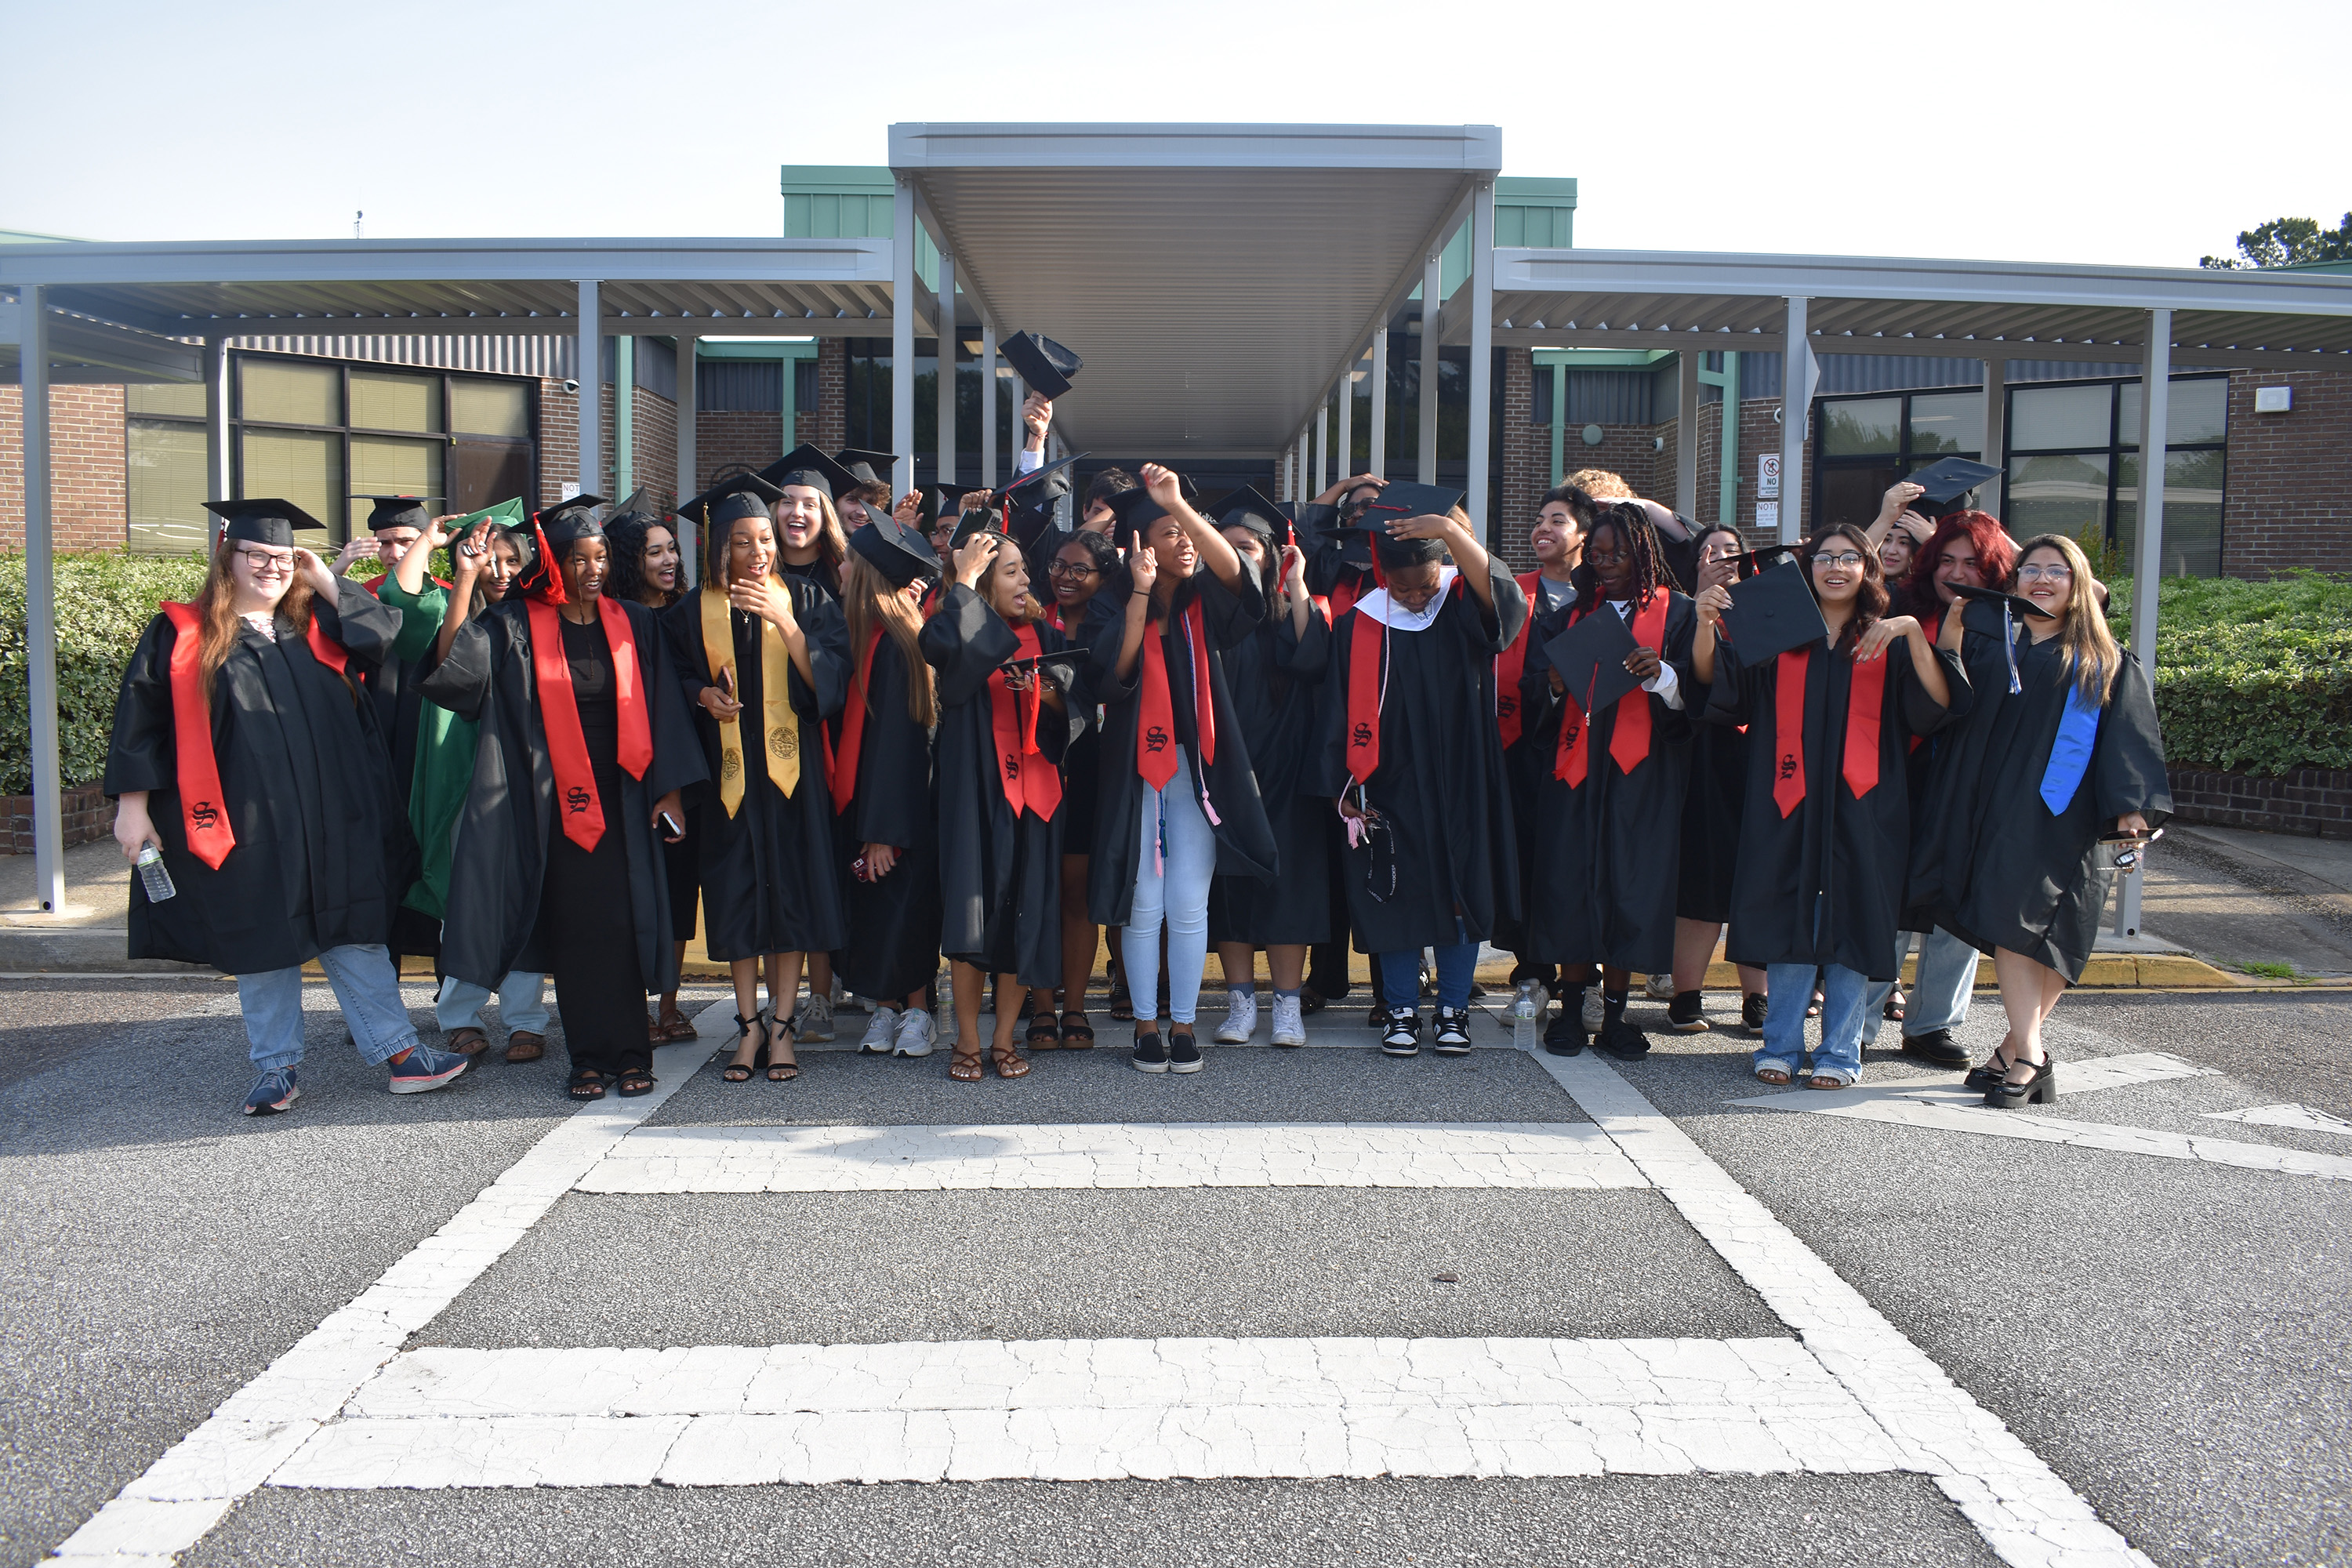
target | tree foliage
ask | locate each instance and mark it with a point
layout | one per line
(2287, 242)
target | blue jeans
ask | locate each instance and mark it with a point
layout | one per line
(521, 1003)
(1457, 965)
(1940, 987)
(1790, 987)
(1172, 883)
(372, 1010)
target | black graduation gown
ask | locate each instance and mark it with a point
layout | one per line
(893, 944)
(1000, 879)
(1824, 884)
(1995, 866)
(1276, 676)
(1440, 783)
(1523, 761)
(1246, 845)
(499, 849)
(771, 876)
(322, 842)
(1602, 888)
(1712, 802)
(1081, 762)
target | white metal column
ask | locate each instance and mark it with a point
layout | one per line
(988, 404)
(1482, 351)
(1686, 434)
(1317, 478)
(902, 338)
(948, 343)
(1433, 285)
(1379, 463)
(1795, 402)
(1995, 450)
(1346, 438)
(41, 601)
(591, 374)
(219, 461)
(625, 412)
(684, 486)
(2148, 542)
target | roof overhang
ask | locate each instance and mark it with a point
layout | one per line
(1217, 280)
(1709, 301)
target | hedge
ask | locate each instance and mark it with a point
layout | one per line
(2256, 677)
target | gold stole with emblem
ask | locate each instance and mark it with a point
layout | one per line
(779, 725)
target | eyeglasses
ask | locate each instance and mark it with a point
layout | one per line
(2036, 572)
(268, 560)
(1073, 569)
(1846, 559)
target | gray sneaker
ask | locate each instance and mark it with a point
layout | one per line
(915, 1033)
(881, 1033)
(813, 1022)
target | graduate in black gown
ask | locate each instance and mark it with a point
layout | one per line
(1079, 566)
(243, 752)
(762, 658)
(556, 864)
(2025, 788)
(1410, 755)
(1826, 830)
(1179, 802)
(1276, 677)
(1004, 721)
(1712, 804)
(1606, 800)
(884, 799)
(1339, 572)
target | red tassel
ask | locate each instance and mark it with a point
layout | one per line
(551, 588)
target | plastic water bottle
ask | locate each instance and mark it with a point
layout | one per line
(153, 876)
(1524, 1011)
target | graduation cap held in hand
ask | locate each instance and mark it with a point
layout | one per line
(1772, 613)
(1133, 509)
(1590, 658)
(1044, 365)
(1947, 481)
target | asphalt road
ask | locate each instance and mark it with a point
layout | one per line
(2168, 1334)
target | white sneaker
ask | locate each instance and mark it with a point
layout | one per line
(815, 1020)
(1658, 987)
(881, 1033)
(1595, 1010)
(915, 1033)
(1241, 1018)
(1289, 1025)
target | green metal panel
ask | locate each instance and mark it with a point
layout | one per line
(848, 201)
(756, 347)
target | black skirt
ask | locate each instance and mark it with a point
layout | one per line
(678, 863)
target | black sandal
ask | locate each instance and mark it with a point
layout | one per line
(1045, 1033)
(586, 1083)
(740, 1072)
(1077, 1036)
(782, 1072)
(635, 1081)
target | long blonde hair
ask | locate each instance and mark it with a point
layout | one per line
(867, 600)
(216, 604)
(2087, 648)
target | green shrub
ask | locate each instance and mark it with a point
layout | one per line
(2255, 677)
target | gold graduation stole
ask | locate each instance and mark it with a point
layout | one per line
(778, 723)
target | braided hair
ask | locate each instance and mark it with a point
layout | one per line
(1640, 537)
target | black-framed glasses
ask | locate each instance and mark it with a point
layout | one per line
(1073, 569)
(1845, 558)
(268, 560)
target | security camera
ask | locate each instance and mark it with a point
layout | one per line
(571, 385)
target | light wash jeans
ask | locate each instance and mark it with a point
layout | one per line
(372, 1010)
(1457, 966)
(1843, 991)
(521, 1003)
(1939, 992)
(1172, 883)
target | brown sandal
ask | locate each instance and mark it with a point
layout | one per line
(1010, 1063)
(468, 1041)
(964, 1066)
(674, 1026)
(522, 1046)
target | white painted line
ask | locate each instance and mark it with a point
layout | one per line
(1036, 1157)
(1094, 1410)
(2302, 1118)
(186, 1492)
(2025, 1511)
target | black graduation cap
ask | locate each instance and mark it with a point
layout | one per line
(1044, 365)
(1030, 484)
(1248, 507)
(1401, 500)
(1772, 613)
(866, 467)
(804, 464)
(901, 554)
(1947, 479)
(742, 495)
(1763, 559)
(640, 505)
(399, 511)
(944, 501)
(1132, 509)
(2016, 604)
(569, 520)
(1590, 658)
(1031, 523)
(262, 520)
(979, 519)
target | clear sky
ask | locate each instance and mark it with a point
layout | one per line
(2143, 132)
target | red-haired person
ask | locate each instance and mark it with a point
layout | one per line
(242, 753)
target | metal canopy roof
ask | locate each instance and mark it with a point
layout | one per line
(1215, 278)
(704, 287)
(1671, 299)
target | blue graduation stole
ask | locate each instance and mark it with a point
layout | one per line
(2070, 753)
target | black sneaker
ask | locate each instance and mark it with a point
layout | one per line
(1401, 1033)
(1183, 1053)
(1752, 1012)
(1937, 1048)
(1682, 1014)
(1150, 1053)
(1452, 1032)
(1624, 1041)
(1566, 1036)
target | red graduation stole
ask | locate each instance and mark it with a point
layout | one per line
(1629, 742)
(1865, 696)
(841, 767)
(559, 714)
(1344, 595)
(1510, 667)
(1029, 779)
(203, 812)
(1155, 730)
(1367, 653)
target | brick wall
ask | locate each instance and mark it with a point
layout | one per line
(2289, 496)
(559, 440)
(826, 424)
(735, 440)
(88, 820)
(2314, 802)
(652, 447)
(89, 501)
